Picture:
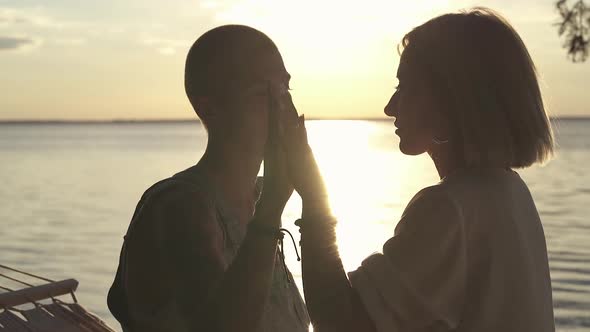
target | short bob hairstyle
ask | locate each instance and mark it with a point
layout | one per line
(484, 68)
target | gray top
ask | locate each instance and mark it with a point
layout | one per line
(285, 310)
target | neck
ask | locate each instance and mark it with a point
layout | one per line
(234, 171)
(445, 159)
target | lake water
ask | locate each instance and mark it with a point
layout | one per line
(69, 190)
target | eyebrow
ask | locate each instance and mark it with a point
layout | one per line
(258, 86)
(260, 81)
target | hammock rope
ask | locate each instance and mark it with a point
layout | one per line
(16, 280)
(25, 273)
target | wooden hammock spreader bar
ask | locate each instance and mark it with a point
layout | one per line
(32, 294)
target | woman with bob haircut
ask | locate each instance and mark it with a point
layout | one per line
(469, 252)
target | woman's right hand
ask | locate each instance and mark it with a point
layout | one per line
(277, 188)
(304, 171)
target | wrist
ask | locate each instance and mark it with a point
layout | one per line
(312, 188)
(267, 216)
(270, 231)
(317, 206)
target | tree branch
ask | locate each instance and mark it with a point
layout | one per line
(575, 26)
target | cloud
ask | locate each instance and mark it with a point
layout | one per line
(31, 17)
(8, 43)
(19, 24)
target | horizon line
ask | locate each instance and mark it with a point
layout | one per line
(183, 120)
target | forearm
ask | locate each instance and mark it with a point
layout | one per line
(245, 286)
(325, 284)
(332, 303)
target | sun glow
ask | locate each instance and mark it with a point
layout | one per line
(369, 182)
(342, 55)
(320, 29)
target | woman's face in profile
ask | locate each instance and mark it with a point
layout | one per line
(417, 109)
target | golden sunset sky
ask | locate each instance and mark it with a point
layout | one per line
(124, 59)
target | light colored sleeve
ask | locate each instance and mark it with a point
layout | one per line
(419, 281)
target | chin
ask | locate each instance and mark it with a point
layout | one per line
(409, 149)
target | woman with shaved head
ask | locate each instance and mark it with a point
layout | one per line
(201, 253)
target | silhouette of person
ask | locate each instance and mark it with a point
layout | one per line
(201, 253)
(469, 253)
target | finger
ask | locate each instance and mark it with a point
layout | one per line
(302, 131)
(281, 128)
(286, 115)
(270, 145)
(295, 138)
(289, 139)
(272, 117)
(290, 111)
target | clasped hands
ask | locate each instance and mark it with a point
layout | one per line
(289, 163)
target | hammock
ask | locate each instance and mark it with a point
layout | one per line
(37, 308)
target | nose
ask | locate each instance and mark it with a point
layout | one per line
(391, 107)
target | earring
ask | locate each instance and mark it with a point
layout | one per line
(438, 141)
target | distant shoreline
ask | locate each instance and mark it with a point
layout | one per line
(180, 121)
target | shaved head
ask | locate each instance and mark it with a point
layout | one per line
(224, 59)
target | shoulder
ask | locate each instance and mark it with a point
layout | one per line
(468, 181)
(438, 196)
(175, 209)
(432, 206)
(174, 194)
(178, 219)
(177, 233)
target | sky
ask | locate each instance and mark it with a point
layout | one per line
(124, 59)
